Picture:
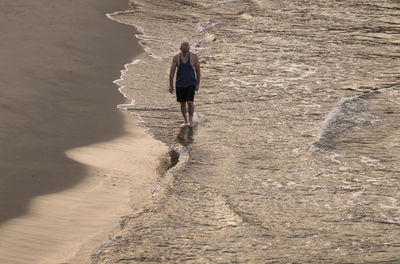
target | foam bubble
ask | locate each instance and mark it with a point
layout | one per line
(201, 26)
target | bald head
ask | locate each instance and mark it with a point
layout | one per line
(185, 47)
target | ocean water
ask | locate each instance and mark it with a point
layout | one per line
(296, 155)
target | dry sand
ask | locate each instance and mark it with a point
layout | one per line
(65, 227)
(69, 159)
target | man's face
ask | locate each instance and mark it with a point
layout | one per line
(185, 49)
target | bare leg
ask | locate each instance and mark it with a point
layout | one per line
(191, 111)
(184, 113)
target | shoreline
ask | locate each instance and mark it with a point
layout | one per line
(69, 155)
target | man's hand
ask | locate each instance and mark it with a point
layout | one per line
(171, 89)
(197, 87)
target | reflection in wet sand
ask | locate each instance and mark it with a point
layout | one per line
(185, 136)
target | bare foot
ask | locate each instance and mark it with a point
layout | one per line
(185, 123)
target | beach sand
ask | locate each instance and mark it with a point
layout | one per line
(71, 163)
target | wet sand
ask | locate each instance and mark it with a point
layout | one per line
(66, 149)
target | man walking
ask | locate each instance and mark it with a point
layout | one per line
(187, 82)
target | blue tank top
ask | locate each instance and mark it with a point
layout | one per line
(185, 76)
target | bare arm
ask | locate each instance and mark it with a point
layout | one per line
(198, 75)
(172, 75)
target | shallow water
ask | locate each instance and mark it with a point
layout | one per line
(296, 156)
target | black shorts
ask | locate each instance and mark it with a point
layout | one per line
(184, 94)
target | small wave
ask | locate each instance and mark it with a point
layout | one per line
(221, 3)
(348, 115)
(201, 26)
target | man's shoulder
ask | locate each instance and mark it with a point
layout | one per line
(176, 56)
(194, 55)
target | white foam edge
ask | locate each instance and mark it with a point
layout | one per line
(137, 27)
(124, 107)
(142, 35)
